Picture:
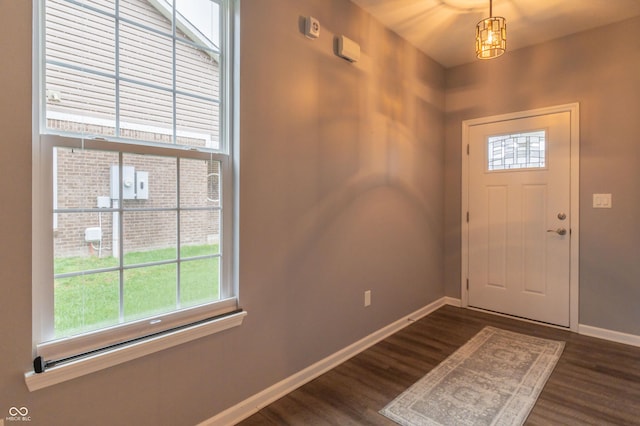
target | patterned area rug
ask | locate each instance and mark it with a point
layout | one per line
(493, 379)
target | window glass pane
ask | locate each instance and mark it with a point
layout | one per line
(214, 181)
(198, 21)
(197, 122)
(200, 203)
(149, 291)
(104, 5)
(66, 23)
(156, 17)
(82, 242)
(81, 180)
(199, 232)
(156, 181)
(199, 281)
(516, 151)
(149, 236)
(200, 183)
(85, 303)
(145, 113)
(197, 71)
(146, 56)
(150, 231)
(80, 102)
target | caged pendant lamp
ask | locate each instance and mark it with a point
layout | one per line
(491, 36)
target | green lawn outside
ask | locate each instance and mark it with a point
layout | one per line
(88, 302)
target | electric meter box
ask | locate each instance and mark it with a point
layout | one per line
(103, 202)
(128, 182)
(142, 185)
(93, 235)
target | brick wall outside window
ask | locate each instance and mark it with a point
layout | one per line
(85, 175)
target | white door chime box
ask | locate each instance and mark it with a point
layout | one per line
(348, 49)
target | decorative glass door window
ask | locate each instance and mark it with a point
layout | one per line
(517, 151)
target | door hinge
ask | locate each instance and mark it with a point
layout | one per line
(467, 284)
(467, 149)
(467, 217)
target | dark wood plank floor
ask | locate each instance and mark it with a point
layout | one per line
(594, 383)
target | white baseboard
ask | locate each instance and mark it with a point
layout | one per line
(452, 301)
(254, 403)
(614, 336)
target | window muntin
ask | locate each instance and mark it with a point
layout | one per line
(517, 151)
(107, 243)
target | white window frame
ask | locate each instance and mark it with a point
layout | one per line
(147, 335)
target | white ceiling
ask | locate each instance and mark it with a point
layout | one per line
(445, 29)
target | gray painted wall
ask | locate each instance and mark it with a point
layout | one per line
(600, 69)
(342, 191)
(344, 173)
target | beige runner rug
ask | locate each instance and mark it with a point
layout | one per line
(493, 379)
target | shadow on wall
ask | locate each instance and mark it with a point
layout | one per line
(369, 203)
(380, 126)
(343, 165)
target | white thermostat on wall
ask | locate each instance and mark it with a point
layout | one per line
(312, 27)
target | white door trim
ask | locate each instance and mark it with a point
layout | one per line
(574, 287)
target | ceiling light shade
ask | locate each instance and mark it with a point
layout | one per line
(491, 36)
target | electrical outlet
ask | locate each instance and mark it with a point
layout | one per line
(367, 298)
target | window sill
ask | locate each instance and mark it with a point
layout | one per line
(119, 355)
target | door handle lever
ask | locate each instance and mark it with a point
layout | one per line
(559, 231)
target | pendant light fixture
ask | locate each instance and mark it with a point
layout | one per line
(491, 36)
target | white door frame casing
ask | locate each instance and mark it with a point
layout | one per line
(573, 109)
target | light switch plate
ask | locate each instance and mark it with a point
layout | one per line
(601, 201)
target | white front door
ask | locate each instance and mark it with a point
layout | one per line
(519, 229)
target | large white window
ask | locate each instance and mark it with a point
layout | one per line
(133, 171)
